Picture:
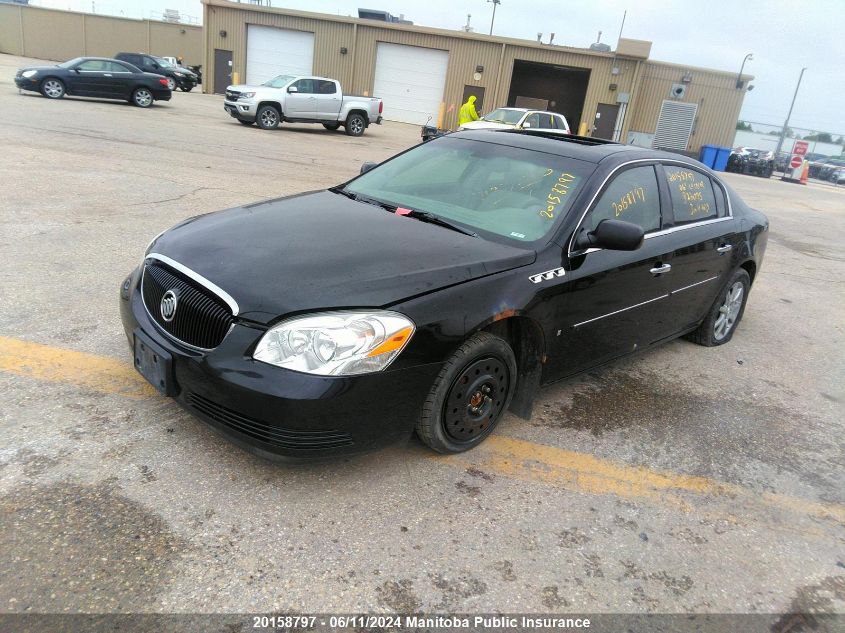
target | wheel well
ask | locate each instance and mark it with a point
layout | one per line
(363, 113)
(750, 267)
(272, 104)
(526, 339)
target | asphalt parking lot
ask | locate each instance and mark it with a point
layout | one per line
(687, 479)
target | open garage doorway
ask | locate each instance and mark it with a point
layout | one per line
(549, 87)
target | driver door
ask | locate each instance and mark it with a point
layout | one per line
(301, 103)
(615, 302)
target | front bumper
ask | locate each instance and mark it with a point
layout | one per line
(186, 82)
(244, 110)
(278, 413)
(28, 84)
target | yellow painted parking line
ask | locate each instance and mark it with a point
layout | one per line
(582, 472)
(501, 455)
(53, 364)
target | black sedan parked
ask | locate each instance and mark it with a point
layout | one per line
(95, 77)
(437, 290)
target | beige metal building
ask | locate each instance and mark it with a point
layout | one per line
(622, 95)
(60, 35)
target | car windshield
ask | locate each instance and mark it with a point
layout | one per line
(279, 82)
(71, 62)
(503, 115)
(507, 191)
(164, 63)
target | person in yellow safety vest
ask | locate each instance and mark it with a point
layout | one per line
(467, 112)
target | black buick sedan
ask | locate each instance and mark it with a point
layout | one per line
(437, 290)
(95, 77)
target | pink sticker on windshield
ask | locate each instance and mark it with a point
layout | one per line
(402, 211)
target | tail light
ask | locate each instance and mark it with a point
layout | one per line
(380, 107)
(163, 82)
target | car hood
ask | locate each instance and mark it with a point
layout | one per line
(247, 87)
(40, 68)
(322, 250)
(487, 125)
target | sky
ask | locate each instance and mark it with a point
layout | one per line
(783, 36)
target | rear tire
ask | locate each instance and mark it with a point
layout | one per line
(142, 97)
(470, 395)
(53, 88)
(331, 126)
(725, 314)
(267, 117)
(355, 124)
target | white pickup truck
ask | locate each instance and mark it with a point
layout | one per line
(300, 99)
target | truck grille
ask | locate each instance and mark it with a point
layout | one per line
(201, 319)
(232, 95)
(269, 434)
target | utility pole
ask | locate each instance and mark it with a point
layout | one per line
(786, 123)
(495, 4)
(739, 82)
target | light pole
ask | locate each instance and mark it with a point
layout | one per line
(786, 123)
(739, 82)
(495, 4)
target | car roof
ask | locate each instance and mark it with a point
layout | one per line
(585, 148)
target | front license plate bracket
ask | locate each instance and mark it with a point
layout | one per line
(155, 364)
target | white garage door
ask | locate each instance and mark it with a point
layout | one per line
(410, 80)
(271, 51)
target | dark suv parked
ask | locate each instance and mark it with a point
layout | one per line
(177, 76)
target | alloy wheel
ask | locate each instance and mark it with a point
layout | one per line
(143, 97)
(729, 311)
(53, 88)
(269, 118)
(357, 125)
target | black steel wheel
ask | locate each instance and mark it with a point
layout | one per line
(470, 395)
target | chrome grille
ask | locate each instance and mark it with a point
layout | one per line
(201, 318)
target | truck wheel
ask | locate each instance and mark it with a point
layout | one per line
(331, 126)
(186, 88)
(245, 122)
(267, 117)
(355, 124)
(469, 396)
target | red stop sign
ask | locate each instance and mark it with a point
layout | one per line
(796, 161)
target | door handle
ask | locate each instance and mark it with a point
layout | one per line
(724, 248)
(107, 75)
(663, 268)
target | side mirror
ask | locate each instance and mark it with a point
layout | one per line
(292, 89)
(614, 235)
(367, 166)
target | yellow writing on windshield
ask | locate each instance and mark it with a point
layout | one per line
(558, 193)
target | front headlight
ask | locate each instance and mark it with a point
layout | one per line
(246, 95)
(29, 73)
(336, 343)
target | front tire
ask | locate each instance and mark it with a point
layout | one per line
(267, 117)
(53, 88)
(245, 122)
(142, 97)
(726, 312)
(186, 88)
(331, 126)
(355, 124)
(470, 395)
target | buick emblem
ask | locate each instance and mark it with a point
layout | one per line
(168, 305)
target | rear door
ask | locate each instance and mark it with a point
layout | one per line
(705, 240)
(118, 79)
(615, 302)
(302, 103)
(328, 99)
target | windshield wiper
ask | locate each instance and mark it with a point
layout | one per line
(425, 216)
(359, 198)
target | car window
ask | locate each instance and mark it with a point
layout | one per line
(559, 123)
(532, 120)
(503, 115)
(511, 192)
(693, 198)
(545, 121)
(305, 86)
(114, 67)
(326, 87)
(150, 62)
(93, 65)
(632, 196)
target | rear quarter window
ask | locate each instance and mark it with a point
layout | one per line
(694, 195)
